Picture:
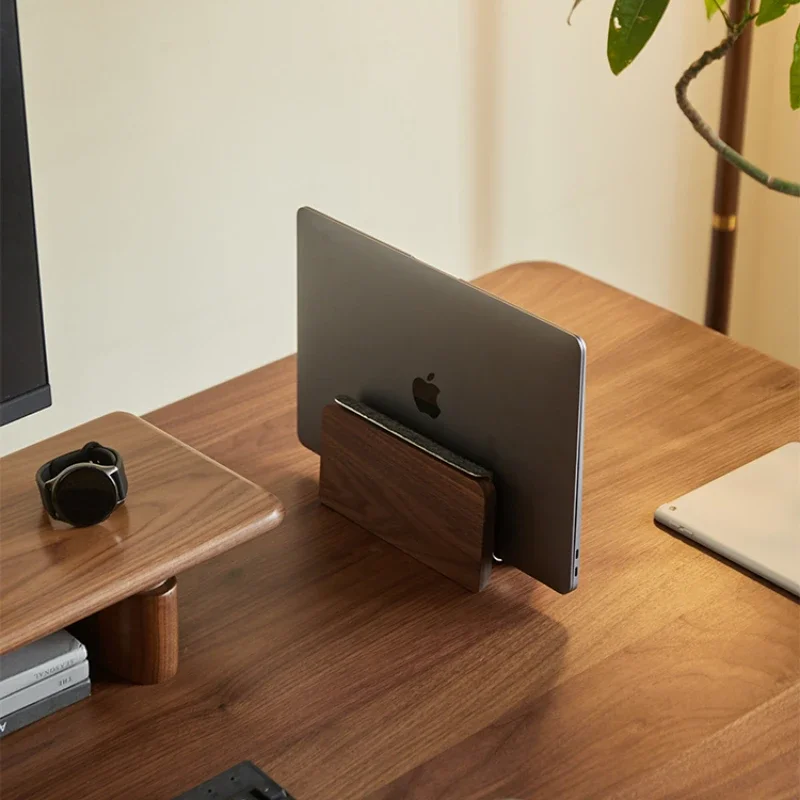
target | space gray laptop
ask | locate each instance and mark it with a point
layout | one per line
(482, 377)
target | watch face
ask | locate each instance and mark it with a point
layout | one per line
(85, 496)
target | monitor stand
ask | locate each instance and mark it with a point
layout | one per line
(114, 583)
(433, 504)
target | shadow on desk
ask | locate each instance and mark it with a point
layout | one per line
(368, 650)
(316, 638)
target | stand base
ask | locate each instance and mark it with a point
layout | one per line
(409, 491)
(137, 638)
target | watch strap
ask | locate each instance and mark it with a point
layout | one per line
(45, 493)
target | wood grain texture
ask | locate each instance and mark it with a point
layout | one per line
(755, 756)
(430, 510)
(182, 508)
(344, 668)
(137, 638)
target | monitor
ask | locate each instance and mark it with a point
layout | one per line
(24, 386)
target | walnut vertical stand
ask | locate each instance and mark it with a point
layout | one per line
(409, 491)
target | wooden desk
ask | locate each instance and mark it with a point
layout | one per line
(348, 670)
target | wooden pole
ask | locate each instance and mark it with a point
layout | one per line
(726, 192)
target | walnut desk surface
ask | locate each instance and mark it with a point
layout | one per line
(346, 669)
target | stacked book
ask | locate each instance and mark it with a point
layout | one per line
(41, 678)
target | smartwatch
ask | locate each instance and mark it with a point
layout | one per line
(83, 487)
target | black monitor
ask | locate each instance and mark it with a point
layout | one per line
(24, 386)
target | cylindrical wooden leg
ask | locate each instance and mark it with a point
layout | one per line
(137, 639)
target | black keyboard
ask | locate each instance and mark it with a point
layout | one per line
(245, 781)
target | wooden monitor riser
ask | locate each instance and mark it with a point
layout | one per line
(115, 582)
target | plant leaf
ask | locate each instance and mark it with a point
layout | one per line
(572, 11)
(772, 9)
(712, 8)
(631, 25)
(794, 74)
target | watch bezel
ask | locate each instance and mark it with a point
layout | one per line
(108, 471)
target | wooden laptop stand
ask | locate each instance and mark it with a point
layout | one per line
(409, 491)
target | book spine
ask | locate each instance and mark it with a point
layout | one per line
(38, 691)
(45, 707)
(46, 669)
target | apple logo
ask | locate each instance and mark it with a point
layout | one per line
(426, 396)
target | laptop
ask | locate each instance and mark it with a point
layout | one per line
(480, 376)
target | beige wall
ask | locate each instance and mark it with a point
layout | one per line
(172, 141)
(600, 172)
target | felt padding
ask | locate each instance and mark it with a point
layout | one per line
(412, 437)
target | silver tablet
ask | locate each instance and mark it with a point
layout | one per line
(751, 516)
(483, 378)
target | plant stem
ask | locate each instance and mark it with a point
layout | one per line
(704, 129)
(724, 13)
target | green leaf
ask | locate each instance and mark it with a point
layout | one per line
(712, 7)
(772, 9)
(631, 25)
(794, 74)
